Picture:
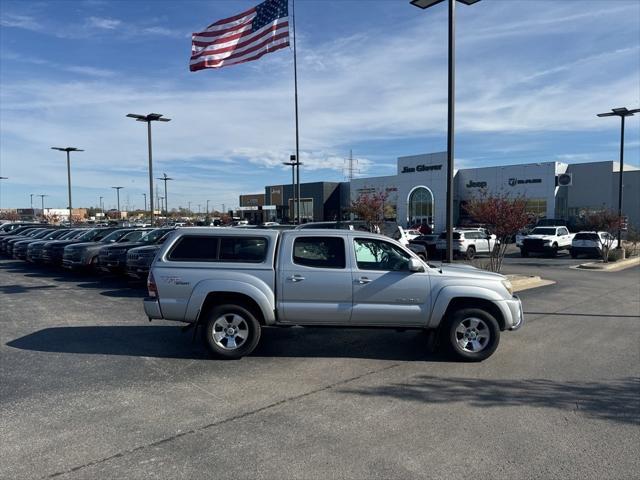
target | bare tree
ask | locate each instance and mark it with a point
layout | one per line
(370, 207)
(604, 221)
(504, 216)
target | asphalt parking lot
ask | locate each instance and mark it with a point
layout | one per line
(90, 389)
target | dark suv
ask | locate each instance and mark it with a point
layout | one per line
(113, 258)
(84, 255)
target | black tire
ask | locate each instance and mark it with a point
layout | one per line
(248, 325)
(471, 252)
(524, 252)
(573, 254)
(554, 250)
(481, 328)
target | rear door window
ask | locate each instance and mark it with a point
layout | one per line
(319, 252)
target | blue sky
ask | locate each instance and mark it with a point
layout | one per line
(531, 75)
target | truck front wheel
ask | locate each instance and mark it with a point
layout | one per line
(471, 334)
(231, 331)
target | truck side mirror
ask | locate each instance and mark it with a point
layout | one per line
(415, 265)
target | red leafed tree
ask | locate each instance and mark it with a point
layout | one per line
(8, 215)
(504, 217)
(370, 208)
(604, 221)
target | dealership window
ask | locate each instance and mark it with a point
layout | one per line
(420, 205)
(537, 207)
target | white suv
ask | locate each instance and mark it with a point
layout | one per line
(591, 243)
(467, 243)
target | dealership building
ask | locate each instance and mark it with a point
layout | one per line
(417, 191)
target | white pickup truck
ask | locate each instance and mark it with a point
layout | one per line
(548, 240)
(234, 282)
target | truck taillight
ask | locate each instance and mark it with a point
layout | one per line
(151, 286)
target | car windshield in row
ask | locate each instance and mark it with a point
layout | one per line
(154, 235)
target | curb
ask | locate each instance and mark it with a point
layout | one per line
(522, 282)
(610, 267)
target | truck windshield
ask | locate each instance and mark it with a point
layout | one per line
(543, 231)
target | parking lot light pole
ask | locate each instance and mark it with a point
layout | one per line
(117, 189)
(622, 112)
(30, 200)
(152, 117)
(145, 201)
(42, 203)
(451, 112)
(68, 150)
(208, 208)
(101, 207)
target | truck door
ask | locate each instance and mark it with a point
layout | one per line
(384, 290)
(314, 280)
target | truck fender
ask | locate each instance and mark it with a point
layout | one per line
(262, 296)
(447, 294)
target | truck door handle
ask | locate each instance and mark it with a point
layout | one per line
(363, 280)
(296, 278)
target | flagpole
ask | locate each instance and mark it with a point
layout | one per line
(295, 83)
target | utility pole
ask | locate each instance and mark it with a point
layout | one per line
(166, 202)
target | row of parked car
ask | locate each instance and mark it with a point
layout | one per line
(119, 250)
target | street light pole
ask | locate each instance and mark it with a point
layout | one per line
(622, 112)
(31, 200)
(152, 117)
(450, 112)
(68, 150)
(117, 189)
(101, 207)
(207, 208)
(145, 201)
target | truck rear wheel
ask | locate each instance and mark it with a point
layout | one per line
(231, 331)
(471, 334)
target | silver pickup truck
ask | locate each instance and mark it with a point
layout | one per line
(233, 282)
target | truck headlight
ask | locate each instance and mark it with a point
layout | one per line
(507, 284)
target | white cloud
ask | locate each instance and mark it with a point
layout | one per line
(229, 135)
(25, 22)
(105, 23)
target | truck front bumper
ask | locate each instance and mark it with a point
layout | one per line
(517, 315)
(152, 308)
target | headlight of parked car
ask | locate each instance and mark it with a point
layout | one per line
(507, 284)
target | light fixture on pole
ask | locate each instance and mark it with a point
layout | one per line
(42, 204)
(68, 150)
(166, 202)
(117, 189)
(622, 112)
(152, 117)
(451, 113)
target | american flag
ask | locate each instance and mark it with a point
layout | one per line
(243, 37)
